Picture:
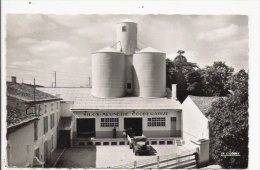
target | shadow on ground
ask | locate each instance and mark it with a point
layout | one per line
(78, 158)
(152, 152)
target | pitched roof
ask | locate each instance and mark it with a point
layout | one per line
(17, 117)
(127, 20)
(203, 102)
(149, 50)
(84, 100)
(26, 93)
(108, 50)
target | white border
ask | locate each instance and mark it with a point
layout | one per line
(250, 8)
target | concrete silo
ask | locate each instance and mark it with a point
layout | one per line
(127, 35)
(127, 43)
(108, 73)
(149, 73)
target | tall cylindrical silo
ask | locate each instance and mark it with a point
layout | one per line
(127, 35)
(149, 72)
(108, 73)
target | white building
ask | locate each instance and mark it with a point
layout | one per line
(196, 130)
(32, 120)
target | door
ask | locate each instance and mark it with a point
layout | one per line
(47, 151)
(136, 124)
(173, 127)
(86, 127)
(64, 138)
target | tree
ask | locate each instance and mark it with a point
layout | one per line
(239, 84)
(214, 78)
(170, 73)
(229, 125)
(179, 72)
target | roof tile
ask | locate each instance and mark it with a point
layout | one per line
(84, 100)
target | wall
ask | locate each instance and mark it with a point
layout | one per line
(106, 132)
(195, 124)
(128, 39)
(129, 72)
(21, 148)
(51, 132)
(65, 109)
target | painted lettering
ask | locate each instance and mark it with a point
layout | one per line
(126, 114)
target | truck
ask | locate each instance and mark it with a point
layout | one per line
(139, 144)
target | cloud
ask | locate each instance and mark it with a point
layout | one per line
(26, 40)
(219, 33)
(31, 63)
(236, 58)
(25, 24)
(75, 60)
(48, 48)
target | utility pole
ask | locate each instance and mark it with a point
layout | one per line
(55, 78)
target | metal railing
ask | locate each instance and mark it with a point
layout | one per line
(186, 159)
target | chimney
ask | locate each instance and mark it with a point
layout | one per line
(13, 79)
(174, 91)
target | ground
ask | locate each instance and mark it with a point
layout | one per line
(78, 158)
(109, 156)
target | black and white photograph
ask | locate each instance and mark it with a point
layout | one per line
(129, 87)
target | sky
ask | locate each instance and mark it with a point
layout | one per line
(64, 43)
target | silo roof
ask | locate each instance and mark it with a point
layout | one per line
(149, 50)
(127, 20)
(108, 50)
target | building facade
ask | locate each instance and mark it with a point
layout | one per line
(34, 140)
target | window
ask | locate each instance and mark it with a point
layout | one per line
(173, 119)
(52, 142)
(45, 124)
(36, 130)
(169, 142)
(51, 106)
(81, 143)
(122, 143)
(109, 122)
(52, 121)
(161, 142)
(98, 143)
(58, 117)
(124, 29)
(39, 110)
(37, 153)
(129, 86)
(156, 121)
(105, 143)
(113, 143)
(45, 108)
(154, 142)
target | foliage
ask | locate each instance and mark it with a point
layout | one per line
(239, 84)
(214, 78)
(170, 73)
(229, 125)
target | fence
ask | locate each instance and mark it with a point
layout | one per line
(187, 159)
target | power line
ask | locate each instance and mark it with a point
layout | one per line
(41, 68)
(24, 69)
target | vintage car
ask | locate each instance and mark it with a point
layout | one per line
(139, 144)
